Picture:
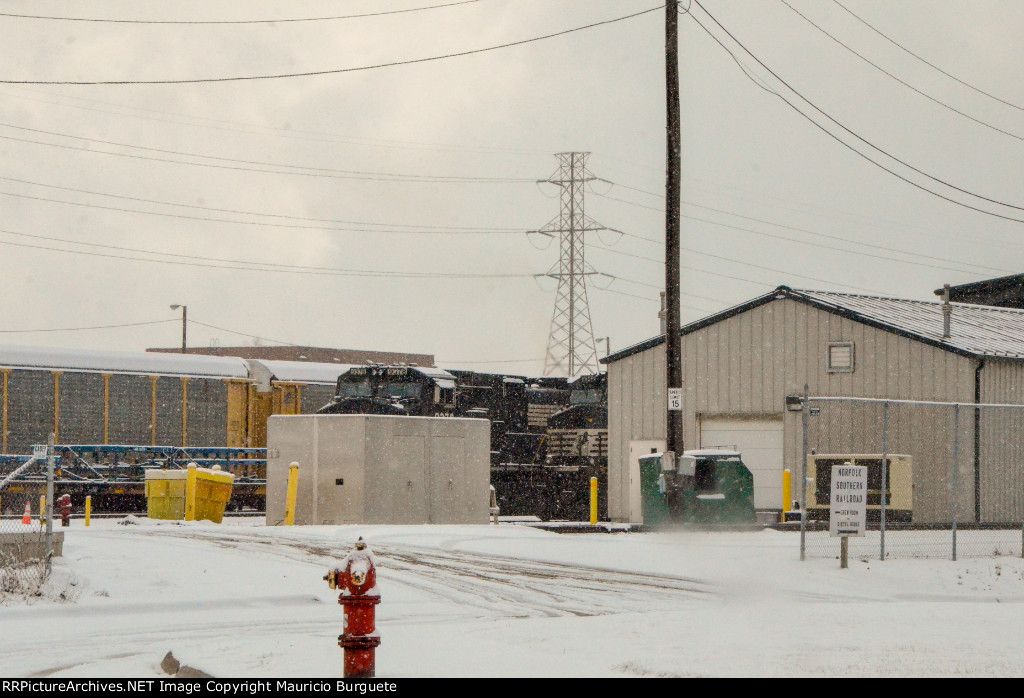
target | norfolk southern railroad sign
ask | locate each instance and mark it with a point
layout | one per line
(848, 510)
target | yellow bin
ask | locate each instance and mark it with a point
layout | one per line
(213, 490)
(165, 494)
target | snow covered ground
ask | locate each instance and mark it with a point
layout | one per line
(244, 600)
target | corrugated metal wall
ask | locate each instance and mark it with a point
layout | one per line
(168, 411)
(316, 396)
(207, 412)
(1001, 440)
(131, 411)
(29, 409)
(81, 408)
(747, 364)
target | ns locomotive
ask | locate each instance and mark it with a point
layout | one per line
(549, 436)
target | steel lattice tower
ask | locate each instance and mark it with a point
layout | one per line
(571, 348)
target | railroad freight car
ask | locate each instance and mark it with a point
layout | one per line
(150, 399)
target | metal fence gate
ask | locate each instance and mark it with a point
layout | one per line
(26, 549)
(945, 479)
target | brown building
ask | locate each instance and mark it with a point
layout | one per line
(313, 354)
(1004, 292)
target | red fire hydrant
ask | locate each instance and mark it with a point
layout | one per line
(64, 504)
(357, 579)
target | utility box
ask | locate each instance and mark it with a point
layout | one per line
(374, 469)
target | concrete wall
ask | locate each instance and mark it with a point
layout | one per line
(380, 470)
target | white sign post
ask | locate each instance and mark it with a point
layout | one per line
(848, 505)
(675, 399)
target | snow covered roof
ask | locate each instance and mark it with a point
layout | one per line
(975, 330)
(707, 452)
(303, 371)
(432, 372)
(140, 363)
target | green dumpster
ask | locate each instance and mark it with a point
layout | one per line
(652, 496)
(719, 490)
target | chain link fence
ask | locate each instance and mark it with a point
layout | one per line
(952, 484)
(26, 546)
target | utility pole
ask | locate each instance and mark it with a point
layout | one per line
(571, 348)
(673, 176)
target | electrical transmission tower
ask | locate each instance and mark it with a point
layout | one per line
(571, 349)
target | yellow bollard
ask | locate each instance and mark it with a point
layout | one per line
(88, 508)
(190, 493)
(787, 493)
(293, 491)
(593, 501)
(42, 508)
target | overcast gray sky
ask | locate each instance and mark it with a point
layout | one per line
(770, 197)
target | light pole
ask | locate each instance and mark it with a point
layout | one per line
(607, 345)
(184, 324)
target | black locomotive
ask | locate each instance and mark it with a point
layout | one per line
(549, 436)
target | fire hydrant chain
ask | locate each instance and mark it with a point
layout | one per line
(357, 580)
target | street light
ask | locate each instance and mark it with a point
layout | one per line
(184, 323)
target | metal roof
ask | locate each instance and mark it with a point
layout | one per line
(303, 371)
(975, 330)
(139, 363)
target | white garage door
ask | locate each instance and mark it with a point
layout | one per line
(760, 442)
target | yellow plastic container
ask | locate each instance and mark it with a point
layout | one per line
(213, 490)
(165, 494)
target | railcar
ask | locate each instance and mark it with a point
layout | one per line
(151, 401)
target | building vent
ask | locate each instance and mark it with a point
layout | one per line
(840, 357)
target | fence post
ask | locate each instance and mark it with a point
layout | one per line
(885, 476)
(49, 503)
(805, 415)
(956, 471)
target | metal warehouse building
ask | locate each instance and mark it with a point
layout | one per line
(740, 365)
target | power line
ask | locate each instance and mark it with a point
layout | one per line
(260, 129)
(264, 224)
(923, 60)
(236, 21)
(898, 79)
(335, 71)
(803, 207)
(323, 172)
(855, 135)
(490, 361)
(96, 327)
(239, 265)
(419, 228)
(401, 176)
(243, 334)
(735, 261)
(814, 233)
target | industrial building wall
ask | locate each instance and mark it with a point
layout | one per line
(744, 366)
(1001, 441)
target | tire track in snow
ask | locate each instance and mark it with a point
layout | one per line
(499, 587)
